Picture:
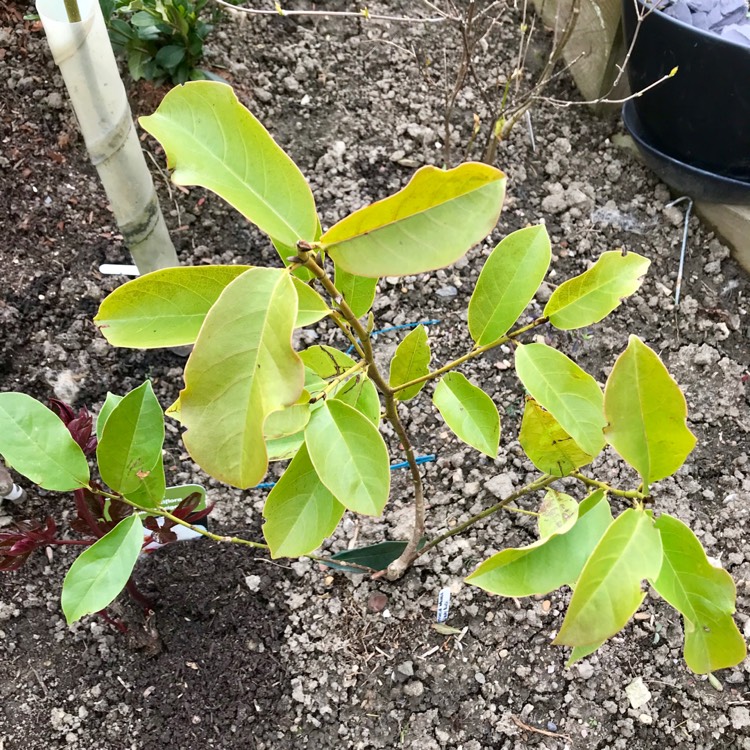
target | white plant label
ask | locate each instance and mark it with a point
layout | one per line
(444, 605)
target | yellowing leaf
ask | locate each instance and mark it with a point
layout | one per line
(242, 368)
(411, 361)
(469, 412)
(646, 412)
(211, 140)
(167, 307)
(608, 592)
(588, 298)
(429, 224)
(703, 594)
(551, 562)
(507, 283)
(350, 457)
(300, 512)
(548, 446)
(557, 514)
(566, 391)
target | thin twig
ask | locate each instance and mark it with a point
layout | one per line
(363, 13)
(473, 353)
(537, 484)
(72, 11)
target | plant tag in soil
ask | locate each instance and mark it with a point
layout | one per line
(444, 605)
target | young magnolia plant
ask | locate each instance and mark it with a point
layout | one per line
(250, 397)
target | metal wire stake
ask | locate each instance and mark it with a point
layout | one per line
(678, 285)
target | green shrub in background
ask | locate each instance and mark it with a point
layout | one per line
(161, 39)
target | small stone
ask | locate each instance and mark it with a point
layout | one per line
(740, 717)
(499, 486)
(54, 100)
(645, 719)
(414, 689)
(406, 669)
(447, 291)
(253, 583)
(637, 692)
(551, 726)
(480, 678)
(585, 671)
(377, 602)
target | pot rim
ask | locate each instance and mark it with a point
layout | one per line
(708, 35)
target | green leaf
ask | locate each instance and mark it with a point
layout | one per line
(326, 362)
(36, 443)
(586, 299)
(364, 398)
(358, 291)
(547, 445)
(557, 514)
(300, 512)
(311, 307)
(129, 452)
(282, 449)
(411, 361)
(350, 457)
(243, 367)
(167, 307)
(548, 563)
(507, 283)
(109, 404)
(431, 223)
(571, 395)
(211, 140)
(703, 594)
(285, 422)
(646, 414)
(469, 412)
(581, 652)
(100, 573)
(608, 593)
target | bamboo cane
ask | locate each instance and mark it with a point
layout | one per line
(78, 39)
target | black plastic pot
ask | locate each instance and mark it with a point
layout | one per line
(700, 116)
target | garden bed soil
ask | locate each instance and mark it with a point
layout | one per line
(247, 653)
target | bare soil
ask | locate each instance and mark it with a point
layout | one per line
(246, 653)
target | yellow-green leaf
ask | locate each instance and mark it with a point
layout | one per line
(363, 396)
(300, 512)
(703, 594)
(358, 291)
(507, 283)
(36, 443)
(431, 223)
(646, 414)
(586, 299)
(548, 563)
(547, 445)
(167, 307)
(326, 361)
(609, 592)
(211, 140)
(243, 367)
(287, 421)
(350, 457)
(557, 514)
(411, 361)
(566, 391)
(469, 412)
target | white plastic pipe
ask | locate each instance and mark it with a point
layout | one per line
(87, 62)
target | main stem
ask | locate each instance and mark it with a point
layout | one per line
(397, 568)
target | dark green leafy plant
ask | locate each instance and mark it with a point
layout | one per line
(251, 398)
(161, 39)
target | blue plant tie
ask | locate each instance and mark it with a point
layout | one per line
(397, 328)
(401, 465)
